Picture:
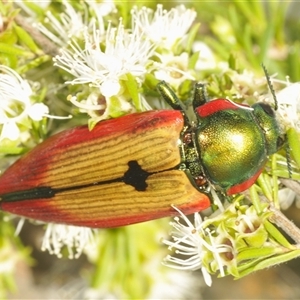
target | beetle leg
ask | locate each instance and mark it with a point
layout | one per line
(171, 98)
(200, 96)
(168, 94)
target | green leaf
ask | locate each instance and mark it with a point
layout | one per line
(277, 235)
(37, 9)
(10, 147)
(254, 239)
(9, 60)
(293, 61)
(185, 90)
(35, 63)
(151, 82)
(193, 60)
(11, 150)
(232, 61)
(91, 124)
(271, 261)
(13, 50)
(8, 37)
(248, 45)
(264, 183)
(115, 107)
(256, 253)
(265, 42)
(132, 87)
(26, 39)
(251, 11)
(193, 32)
(255, 198)
(294, 144)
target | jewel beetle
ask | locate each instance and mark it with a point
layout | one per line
(134, 168)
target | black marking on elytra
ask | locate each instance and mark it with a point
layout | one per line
(36, 193)
(134, 176)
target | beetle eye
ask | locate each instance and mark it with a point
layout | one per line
(267, 109)
(280, 142)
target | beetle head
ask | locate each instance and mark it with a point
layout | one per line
(265, 117)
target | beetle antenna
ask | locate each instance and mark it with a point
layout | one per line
(270, 86)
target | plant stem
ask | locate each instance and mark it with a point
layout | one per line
(285, 224)
(47, 46)
(291, 184)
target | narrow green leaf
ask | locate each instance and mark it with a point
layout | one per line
(37, 9)
(294, 144)
(8, 37)
(275, 183)
(185, 90)
(248, 265)
(256, 253)
(265, 41)
(255, 198)
(151, 82)
(193, 32)
(132, 87)
(248, 46)
(293, 61)
(234, 21)
(277, 235)
(26, 39)
(115, 107)
(13, 50)
(232, 61)
(11, 150)
(35, 63)
(193, 60)
(91, 124)
(251, 11)
(265, 185)
(285, 174)
(272, 261)
(9, 60)
(279, 17)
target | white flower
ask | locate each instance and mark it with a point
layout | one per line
(173, 284)
(15, 103)
(103, 8)
(9, 258)
(247, 84)
(206, 59)
(37, 111)
(124, 53)
(69, 24)
(90, 105)
(286, 198)
(96, 105)
(1, 23)
(10, 131)
(32, 14)
(289, 105)
(173, 69)
(75, 238)
(188, 242)
(164, 28)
